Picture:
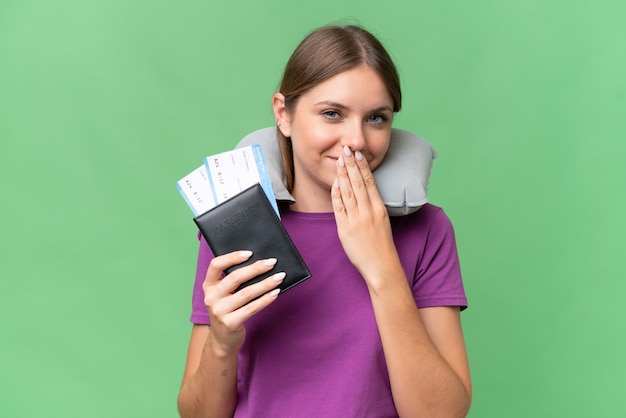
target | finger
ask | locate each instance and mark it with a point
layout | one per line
(373, 195)
(352, 182)
(253, 306)
(362, 180)
(219, 264)
(254, 291)
(233, 308)
(337, 202)
(344, 183)
(341, 192)
(237, 277)
(366, 173)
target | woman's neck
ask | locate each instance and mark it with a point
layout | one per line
(311, 200)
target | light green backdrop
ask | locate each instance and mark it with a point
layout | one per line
(104, 104)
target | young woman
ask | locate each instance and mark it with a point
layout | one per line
(376, 331)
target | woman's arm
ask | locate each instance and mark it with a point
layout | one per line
(209, 387)
(424, 349)
(425, 354)
(209, 381)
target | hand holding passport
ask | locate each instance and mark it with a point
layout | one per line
(241, 216)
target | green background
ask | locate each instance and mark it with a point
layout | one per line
(104, 104)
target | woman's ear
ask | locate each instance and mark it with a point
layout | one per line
(281, 115)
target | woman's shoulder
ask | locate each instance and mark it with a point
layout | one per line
(427, 215)
(429, 223)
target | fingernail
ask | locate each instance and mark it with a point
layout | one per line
(336, 184)
(341, 162)
(358, 156)
(269, 262)
(346, 151)
(275, 292)
(278, 277)
(245, 254)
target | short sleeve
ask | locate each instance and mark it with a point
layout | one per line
(438, 280)
(199, 314)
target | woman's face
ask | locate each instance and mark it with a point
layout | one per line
(353, 108)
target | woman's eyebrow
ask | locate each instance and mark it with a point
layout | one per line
(383, 108)
(332, 104)
(344, 107)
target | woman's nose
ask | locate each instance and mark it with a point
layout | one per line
(354, 138)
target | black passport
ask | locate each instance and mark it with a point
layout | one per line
(247, 221)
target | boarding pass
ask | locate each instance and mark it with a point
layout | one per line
(224, 175)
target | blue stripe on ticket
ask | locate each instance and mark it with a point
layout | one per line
(264, 176)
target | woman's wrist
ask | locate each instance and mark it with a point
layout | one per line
(217, 350)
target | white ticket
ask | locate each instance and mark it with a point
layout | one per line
(195, 188)
(223, 176)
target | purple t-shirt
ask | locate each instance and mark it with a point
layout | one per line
(316, 351)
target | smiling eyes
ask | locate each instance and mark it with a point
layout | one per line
(331, 114)
(380, 119)
(377, 118)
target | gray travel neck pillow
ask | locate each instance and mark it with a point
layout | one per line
(402, 178)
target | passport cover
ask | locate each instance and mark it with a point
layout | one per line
(247, 221)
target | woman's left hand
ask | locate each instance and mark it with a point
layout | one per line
(362, 219)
